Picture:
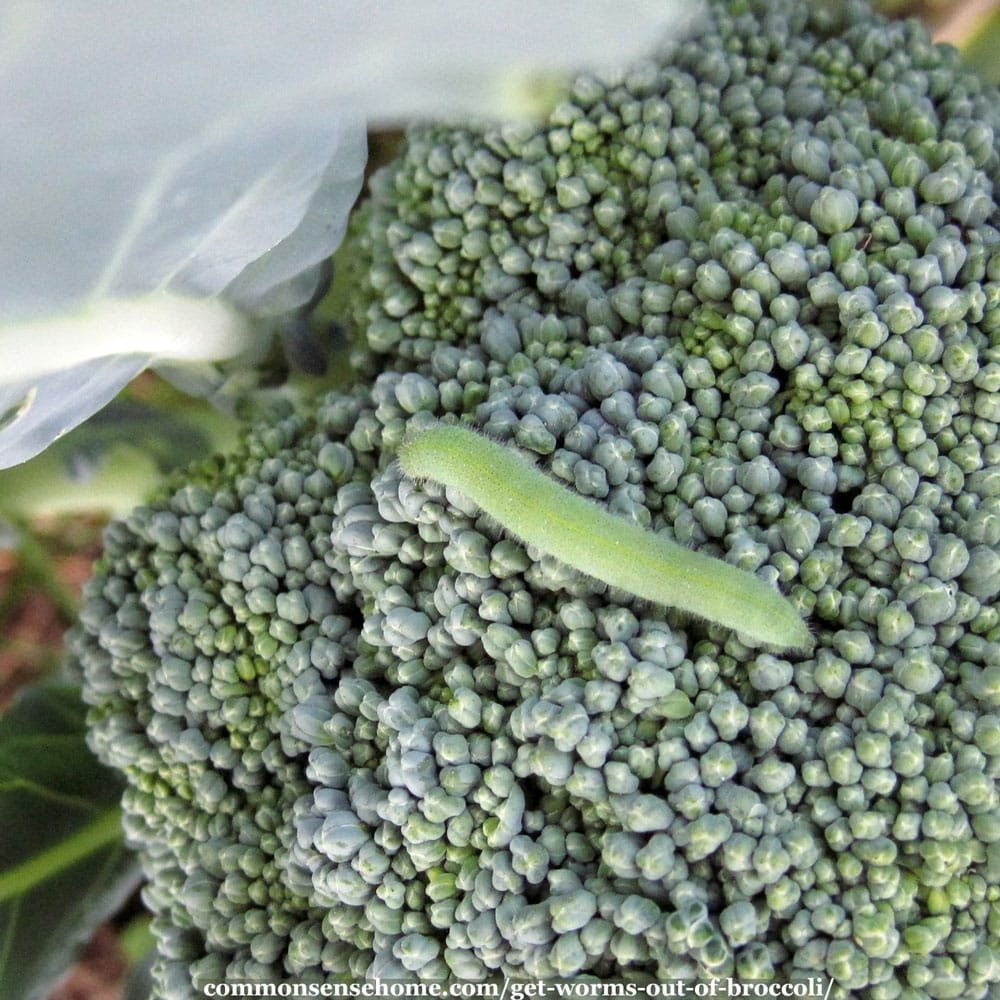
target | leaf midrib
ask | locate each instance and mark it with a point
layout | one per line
(102, 830)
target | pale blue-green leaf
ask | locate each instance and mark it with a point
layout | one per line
(40, 400)
(217, 149)
(36, 412)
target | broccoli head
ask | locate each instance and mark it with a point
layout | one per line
(745, 295)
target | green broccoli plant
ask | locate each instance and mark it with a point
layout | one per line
(745, 297)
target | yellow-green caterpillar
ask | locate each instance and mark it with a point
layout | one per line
(536, 509)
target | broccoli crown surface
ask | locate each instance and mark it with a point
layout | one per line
(747, 295)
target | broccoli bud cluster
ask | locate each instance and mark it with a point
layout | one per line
(746, 295)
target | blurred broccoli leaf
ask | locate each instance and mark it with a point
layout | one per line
(114, 460)
(981, 46)
(64, 868)
(165, 436)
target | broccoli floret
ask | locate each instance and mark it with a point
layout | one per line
(747, 295)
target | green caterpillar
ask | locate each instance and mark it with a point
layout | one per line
(537, 510)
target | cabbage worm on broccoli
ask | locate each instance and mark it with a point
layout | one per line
(539, 511)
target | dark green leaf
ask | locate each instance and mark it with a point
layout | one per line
(63, 866)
